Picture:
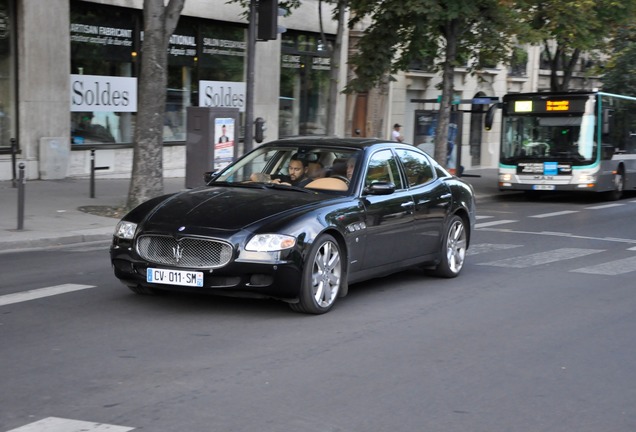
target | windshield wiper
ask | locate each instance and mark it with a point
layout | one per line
(261, 185)
(251, 185)
(286, 187)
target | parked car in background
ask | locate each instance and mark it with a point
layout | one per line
(365, 208)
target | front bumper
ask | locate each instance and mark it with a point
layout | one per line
(278, 280)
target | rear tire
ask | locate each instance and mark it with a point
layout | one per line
(453, 249)
(322, 277)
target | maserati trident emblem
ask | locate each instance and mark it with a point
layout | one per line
(177, 252)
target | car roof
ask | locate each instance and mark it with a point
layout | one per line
(359, 143)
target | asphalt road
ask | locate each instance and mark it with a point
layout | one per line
(537, 334)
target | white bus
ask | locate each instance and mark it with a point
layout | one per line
(580, 141)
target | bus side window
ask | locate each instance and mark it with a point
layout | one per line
(607, 151)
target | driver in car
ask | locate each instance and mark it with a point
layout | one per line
(298, 174)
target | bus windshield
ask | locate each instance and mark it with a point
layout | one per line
(548, 138)
(562, 138)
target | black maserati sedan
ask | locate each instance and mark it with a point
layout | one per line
(299, 220)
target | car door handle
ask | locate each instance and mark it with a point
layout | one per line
(445, 196)
(408, 204)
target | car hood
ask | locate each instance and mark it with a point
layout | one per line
(225, 208)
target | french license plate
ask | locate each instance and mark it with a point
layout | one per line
(543, 187)
(174, 277)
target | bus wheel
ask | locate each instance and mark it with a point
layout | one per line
(619, 185)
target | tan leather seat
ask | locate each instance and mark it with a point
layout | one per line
(328, 183)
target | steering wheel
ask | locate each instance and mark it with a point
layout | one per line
(343, 178)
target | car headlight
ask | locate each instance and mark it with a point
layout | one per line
(270, 243)
(125, 230)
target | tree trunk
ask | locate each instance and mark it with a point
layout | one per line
(147, 169)
(334, 71)
(568, 69)
(448, 73)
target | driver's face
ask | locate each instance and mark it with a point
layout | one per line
(296, 170)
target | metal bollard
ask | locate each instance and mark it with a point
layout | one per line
(92, 185)
(14, 152)
(21, 187)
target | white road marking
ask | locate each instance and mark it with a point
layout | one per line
(489, 247)
(492, 223)
(483, 217)
(548, 233)
(542, 258)
(39, 293)
(56, 424)
(604, 206)
(611, 268)
(559, 213)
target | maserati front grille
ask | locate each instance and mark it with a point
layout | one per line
(185, 252)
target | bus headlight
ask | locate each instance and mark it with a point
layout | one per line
(587, 178)
(505, 178)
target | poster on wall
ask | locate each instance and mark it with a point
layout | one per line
(223, 142)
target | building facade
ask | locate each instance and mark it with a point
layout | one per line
(68, 75)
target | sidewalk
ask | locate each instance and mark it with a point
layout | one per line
(52, 216)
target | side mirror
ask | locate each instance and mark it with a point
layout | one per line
(380, 188)
(208, 176)
(490, 116)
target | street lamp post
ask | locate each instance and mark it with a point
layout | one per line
(249, 97)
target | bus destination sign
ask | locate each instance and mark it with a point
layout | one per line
(557, 105)
(547, 106)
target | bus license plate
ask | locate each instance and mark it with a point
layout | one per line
(543, 187)
(174, 277)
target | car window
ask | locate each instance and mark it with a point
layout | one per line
(383, 168)
(267, 164)
(417, 167)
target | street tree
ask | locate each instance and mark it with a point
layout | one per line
(569, 28)
(160, 21)
(619, 72)
(444, 33)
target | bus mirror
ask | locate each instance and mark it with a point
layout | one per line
(490, 116)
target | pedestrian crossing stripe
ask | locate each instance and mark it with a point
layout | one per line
(489, 247)
(57, 424)
(540, 258)
(611, 268)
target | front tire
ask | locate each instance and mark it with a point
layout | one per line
(619, 186)
(322, 277)
(453, 249)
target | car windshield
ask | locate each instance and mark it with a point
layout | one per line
(319, 168)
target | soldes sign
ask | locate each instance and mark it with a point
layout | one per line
(222, 94)
(103, 93)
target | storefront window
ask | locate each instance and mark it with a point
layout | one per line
(105, 43)
(304, 85)
(7, 75)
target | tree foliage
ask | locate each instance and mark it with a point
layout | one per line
(448, 32)
(567, 28)
(620, 70)
(160, 21)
